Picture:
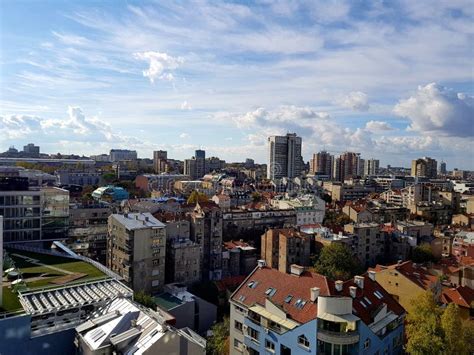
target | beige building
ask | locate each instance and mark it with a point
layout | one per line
(136, 250)
(425, 167)
(369, 244)
(283, 247)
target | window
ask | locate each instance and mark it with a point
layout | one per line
(237, 344)
(238, 326)
(269, 345)
(366, 343)
(303, 341)
(270, 292)
(288, 298)
(253, 334)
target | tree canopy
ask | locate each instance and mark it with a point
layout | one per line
(218, 342)
(422, 254)
(197, 197)
(337, 262)
(432, 330)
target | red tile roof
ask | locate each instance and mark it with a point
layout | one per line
(285, 285)
(417, 274)
(235, 243)
(299, 287)
(463, 296)
(229, 282)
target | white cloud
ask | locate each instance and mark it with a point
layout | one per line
(184, 135)
(378, 126)
(160, 65)
(186, 106)
(357, 101)
(436, 109)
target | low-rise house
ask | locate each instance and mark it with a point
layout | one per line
(463, 296)
(110, 193)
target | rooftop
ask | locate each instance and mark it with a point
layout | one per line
(134, 221)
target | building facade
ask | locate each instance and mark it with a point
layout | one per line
(284, 159)
(424, 167)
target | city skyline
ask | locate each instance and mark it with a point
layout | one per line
(393, 82)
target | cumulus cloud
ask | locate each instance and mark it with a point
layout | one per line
(184, 136)
(357, 101)
(160, 65)
(18, 126)
(436, 109)
(378, 126)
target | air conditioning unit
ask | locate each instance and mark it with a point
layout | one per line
(266, 330)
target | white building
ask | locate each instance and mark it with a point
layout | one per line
(310, 209)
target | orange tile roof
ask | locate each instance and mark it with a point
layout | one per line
(463, 296)
(235, 243)
(417, 274)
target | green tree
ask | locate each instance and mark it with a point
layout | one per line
(197, 197)
(454, 331)
(108, 177)
(337, 262)
(218, 342)
(144, 299)
(256, 197)
(423, 328)
(422, 254)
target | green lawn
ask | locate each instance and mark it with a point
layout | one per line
(10, 301)
(29, 269)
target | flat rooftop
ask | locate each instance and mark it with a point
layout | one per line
(133, 221)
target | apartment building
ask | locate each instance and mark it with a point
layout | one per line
(206, 231)
(284, 156)
(81, 178)
(136, 250)
(122, 154)
(424, 167)
(306, 313)
(238, 258)
(281, 248)
(310, 209)
(158, 182)
(369, 242)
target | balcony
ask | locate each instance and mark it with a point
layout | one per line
(340, 338)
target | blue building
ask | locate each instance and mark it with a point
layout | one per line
(306, 313)
(110, 193)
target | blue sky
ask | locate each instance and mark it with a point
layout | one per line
(392, 80)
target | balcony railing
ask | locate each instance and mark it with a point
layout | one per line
(341, 338)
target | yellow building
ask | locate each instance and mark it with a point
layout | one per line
(405, 281)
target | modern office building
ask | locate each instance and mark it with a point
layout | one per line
(122, 154)
(321, 163)
(424, 167)
(306, 313)
(33, 214)
(136, 250)
(31, 150)
(442, 168)
(284, 158)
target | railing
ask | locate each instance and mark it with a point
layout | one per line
(341, 338)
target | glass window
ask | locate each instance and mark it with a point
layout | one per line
(303, 341)
(269, 345)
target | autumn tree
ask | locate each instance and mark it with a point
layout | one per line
(456, 335)
(337, 262)
(197, 196)
(422, 254)
(218, 342)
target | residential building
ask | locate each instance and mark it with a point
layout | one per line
(189, 310)
(160, 161)
(126, 327)
(281, 248)
(122, 154)
(206, 231)
(136, 250)
(463, 244)
(284, 159)
(370, 242)
(159, 182)
(238, 258)
(341, 192)
(87, 234)
(416, 229)
(182, 254)
(195, 167)
(463, 297)
(424, 167)
(405, 281)
(310, 209)
(305, 313)
(321, 163)
(442, 168)
(371, 167)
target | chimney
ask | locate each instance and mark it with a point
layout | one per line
(359, 281)
(372, 275)
(353, 291)
(296, 269)
(338, 285)
(261, 264)
(314, 293)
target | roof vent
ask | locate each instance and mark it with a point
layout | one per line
(338, 285)
(314, 293)
(261, 263)
(353, 291)
(372, 275)
(296, 269)
(359, 281)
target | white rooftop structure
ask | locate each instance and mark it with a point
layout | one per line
(133, 221)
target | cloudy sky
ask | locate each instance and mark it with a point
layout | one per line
(392, 80)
